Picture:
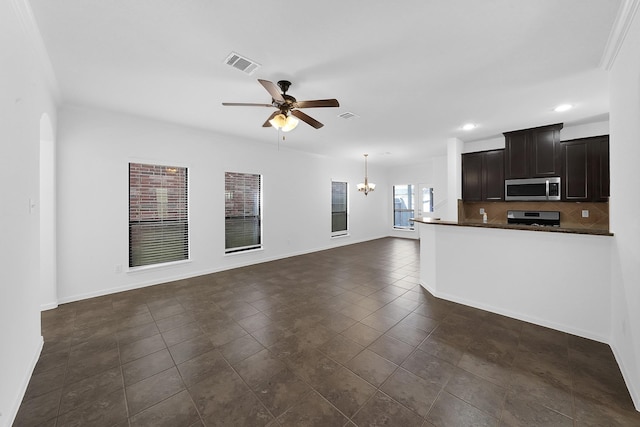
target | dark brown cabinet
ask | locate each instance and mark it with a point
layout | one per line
(483, 175)
(533, 153)
(472, 177)
(585, 174)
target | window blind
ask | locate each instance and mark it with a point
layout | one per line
(338, 208)
(158, 214)
(243, 211)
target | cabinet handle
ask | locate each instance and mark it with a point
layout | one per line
(547, 188)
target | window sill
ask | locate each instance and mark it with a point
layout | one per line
(248, 251)
(403, 229)
(338, 236)
(164, 265)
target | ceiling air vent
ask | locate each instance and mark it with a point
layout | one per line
(348, 115)
(242, 63)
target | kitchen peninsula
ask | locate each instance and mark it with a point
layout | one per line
(522, 272)
(589, 231)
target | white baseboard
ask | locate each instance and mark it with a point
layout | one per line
(530, 319)
(633, 392)
(336, 243)
(48, 306)
(25, 382)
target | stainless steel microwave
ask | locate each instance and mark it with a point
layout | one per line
(532, 189)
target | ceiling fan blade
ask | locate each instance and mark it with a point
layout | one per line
(267, 124)
(317, 103)
(272, 89)
(244, 104)
(307, 119)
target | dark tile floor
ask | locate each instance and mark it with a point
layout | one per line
(339, 337)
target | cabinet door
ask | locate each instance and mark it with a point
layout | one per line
(585, 175)
(600, 168)
(472, 176)
(533, 153)
(493, 175)
(545, 153)
(516, 155)
(576, 170)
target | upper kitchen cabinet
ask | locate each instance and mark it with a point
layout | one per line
(533, 153)
(585, 175)
(483, 176)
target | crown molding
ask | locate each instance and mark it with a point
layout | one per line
(24, 14)
(626, 13)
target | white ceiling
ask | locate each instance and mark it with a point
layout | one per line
(413, 71)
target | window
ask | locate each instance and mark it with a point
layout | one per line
(338, 208)
(403, 205)
(158, 214)
(427, 199)
(242, 211)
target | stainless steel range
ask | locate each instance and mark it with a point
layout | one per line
(534, 218)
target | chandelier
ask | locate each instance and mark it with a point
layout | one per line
(366, 187)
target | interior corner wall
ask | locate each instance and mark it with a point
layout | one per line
(25, 97)
(624, 85)
(94, 150)
(48, 287)
(454, 178)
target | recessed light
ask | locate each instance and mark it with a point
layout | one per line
(468, 126)
(563, 107)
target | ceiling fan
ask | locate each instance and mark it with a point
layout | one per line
(287, 107)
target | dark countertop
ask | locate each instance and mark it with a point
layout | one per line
(515, 227)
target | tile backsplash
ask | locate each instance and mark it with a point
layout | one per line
(570, 212)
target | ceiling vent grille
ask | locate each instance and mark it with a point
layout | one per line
(348, 115)
(242, 63)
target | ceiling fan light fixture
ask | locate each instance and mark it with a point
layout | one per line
(278, 121)
(290, 124)
(285, 104)
(286, 123)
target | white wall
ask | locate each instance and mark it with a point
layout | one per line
(484, 145)
(568, 132)
(624, 83)
(94, 149)
(24, 97)
(584, 130)
(48, 286)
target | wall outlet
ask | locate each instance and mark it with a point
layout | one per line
(118, 268)
(585, 213)
(481, 211)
